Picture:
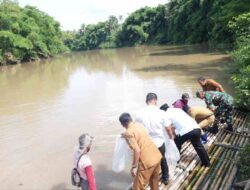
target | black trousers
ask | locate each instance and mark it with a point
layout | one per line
(194, 137)
(164, 164)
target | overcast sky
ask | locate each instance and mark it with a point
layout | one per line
(72, 13)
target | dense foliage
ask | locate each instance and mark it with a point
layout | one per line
(196, 21)
(179, 21)
(244, 164)
(27, 33)
(240, 27)
(146, 25)
(93, 36)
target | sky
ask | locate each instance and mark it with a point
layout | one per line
(72, 13)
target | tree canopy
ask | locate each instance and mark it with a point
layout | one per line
(27, 33)
(177, 22)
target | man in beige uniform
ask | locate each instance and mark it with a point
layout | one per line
(146, 156)
(202, 115)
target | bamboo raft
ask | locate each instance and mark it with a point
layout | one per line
(223, 149)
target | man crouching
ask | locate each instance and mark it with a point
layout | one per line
(146, 156)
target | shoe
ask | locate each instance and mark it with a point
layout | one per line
(204, 138)
(214, 129)
(165, 181)
(229, 128)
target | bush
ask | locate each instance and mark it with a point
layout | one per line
(240, 26)
(244, 163)
(27, 33)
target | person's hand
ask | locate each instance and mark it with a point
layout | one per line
(211, 108)
(133, 171)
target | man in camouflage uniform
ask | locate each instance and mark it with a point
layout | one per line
(222, 105)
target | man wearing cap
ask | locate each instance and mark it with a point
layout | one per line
(222, 105)
(210, 85)
(83, 164)
(146, 157)
(153, 120)
(181, 127)
(181, 102)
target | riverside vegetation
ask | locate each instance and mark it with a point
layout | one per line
(28, 34)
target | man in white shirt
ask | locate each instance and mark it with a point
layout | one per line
(186, 129)
(154, 121)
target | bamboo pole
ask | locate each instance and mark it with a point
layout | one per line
(225, 181)
(213, 155)
(205, 174)
(231, 177)
(202, 177)
(218, 178)
(223, 170)
(209, 143)
(213, 171)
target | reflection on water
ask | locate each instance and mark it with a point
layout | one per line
(46, 105)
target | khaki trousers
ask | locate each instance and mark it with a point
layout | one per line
(206, 122)
(148, 176)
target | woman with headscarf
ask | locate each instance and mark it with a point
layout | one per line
(83, 164)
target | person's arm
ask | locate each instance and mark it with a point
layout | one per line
(173, 131)
(136, 158)
(90, 177)
(170, 132)
(167, 123)
(136, 154)
(217, 85)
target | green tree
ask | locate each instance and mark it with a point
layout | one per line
(240, 27)
(28, 33)
(146, 25)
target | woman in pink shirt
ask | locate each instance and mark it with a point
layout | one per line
(83, 163)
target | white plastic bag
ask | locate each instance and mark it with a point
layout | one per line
(172, 154)
(121, 155)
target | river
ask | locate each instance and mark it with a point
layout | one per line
(46, 105)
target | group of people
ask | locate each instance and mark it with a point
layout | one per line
(145, 136)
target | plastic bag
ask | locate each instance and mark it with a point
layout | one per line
(121, 155)
(172, 154)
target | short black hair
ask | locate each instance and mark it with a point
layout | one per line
(198, 92)
(164, 107)
(185, 95)
(201, 79)
(125, 119)
(151, 96)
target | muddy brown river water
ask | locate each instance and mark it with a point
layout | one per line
(46, 105)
